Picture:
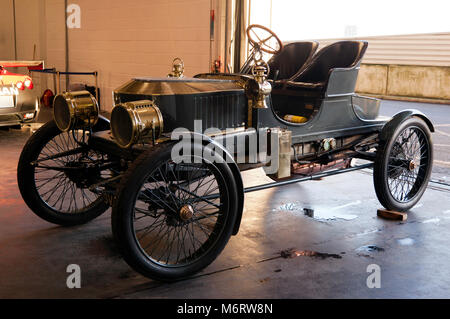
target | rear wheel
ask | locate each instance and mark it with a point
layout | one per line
(403, 165)
(173, 219)
(57, 188)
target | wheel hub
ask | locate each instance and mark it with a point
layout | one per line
(412, 165)
(186, 212)
(81, 174)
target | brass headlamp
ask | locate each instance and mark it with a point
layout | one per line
(74, 110)
(136, 122)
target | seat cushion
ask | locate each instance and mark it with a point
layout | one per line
(342, 54)
(292, 58)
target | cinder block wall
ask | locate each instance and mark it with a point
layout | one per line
(407, 67)
(124, 39)
(30, 37)
(410, 82)
(55, 34)
(119, 39)
(6, 31)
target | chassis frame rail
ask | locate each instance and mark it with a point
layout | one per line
(307, 178)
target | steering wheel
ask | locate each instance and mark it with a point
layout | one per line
(264, 39)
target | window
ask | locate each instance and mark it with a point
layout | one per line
(325, 19)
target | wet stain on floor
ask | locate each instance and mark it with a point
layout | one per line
(307, 253)
(406, 241)
(431, 221)
(293, 253)
(289, 207)
(320, 213)
(370, 248)
(365, 251)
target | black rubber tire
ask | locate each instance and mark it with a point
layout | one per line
(123, 218)
(27, 184)
(380, 172)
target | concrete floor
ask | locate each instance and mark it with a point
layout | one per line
(272, 256)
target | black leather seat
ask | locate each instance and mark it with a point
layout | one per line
(314, 75)
(291, 59)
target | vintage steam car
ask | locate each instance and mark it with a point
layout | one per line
(174, 182)
(18, 103)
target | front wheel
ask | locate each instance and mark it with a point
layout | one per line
(56, 187)
(403, 165)
(171, 219)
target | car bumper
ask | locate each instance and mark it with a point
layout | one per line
(17, 118)
(24, 110)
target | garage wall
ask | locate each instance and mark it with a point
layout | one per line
(119, 39)
(28, 29)
(55, 34)
(406, 67)
(431, 49)
(30, 34)
(122, 40)
(406, 82)
(6, 30)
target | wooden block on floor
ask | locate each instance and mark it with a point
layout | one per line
(391, 215)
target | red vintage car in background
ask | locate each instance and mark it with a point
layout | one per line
(18, 101)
